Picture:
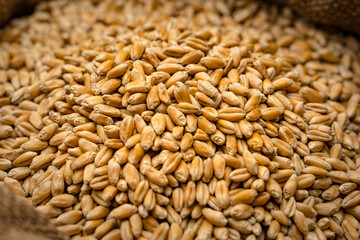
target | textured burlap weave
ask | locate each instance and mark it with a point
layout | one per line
(342, 14)
(19, 219)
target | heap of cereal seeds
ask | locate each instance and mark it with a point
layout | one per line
(181, 120)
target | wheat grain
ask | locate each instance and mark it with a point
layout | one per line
(223, 120)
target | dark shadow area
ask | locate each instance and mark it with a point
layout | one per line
(10, 9)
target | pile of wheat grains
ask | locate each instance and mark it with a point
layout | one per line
(181, 120)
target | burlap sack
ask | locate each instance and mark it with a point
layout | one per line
(342, 14)
(12, 8)
(19, 219)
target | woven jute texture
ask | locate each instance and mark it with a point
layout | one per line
(342, 14)
(18, 219)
